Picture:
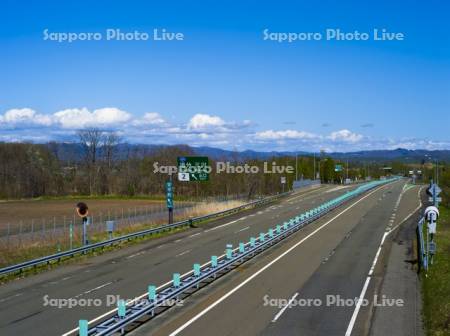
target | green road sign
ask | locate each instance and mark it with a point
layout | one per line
(169, 194)
(193, 168)
(338, 168)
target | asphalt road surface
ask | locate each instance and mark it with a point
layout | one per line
(24, 303)
(323, 271)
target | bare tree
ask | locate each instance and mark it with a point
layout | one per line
(90, 139)
(110, 141)
(109, 145)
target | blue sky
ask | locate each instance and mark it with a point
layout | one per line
(224, 85)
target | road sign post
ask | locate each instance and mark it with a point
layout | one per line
(434, 192)
(169, 199)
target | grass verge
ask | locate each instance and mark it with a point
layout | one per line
(436, 284)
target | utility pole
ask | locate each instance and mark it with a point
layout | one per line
(314, 176)
(319, 172)
(437, 172)
(296, 165)
(346, 174)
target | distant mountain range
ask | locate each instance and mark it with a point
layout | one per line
(400, 154)
(74, 152)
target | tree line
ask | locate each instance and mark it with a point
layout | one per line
(34, 170)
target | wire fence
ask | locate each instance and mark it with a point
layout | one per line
(55, 228)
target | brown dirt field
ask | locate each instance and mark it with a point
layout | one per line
(15, 211)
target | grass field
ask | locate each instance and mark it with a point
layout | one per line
(16, 249)
(14, 212)
(436, 284)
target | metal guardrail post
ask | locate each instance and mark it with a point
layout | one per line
(229, 251)
(83, 327)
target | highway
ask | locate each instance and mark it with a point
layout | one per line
(342, 255)
(127, 272)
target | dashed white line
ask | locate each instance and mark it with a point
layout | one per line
(243, 229)
(134, 255)
(284, 308)
(98, 287)
(10, 297)
(183, 253)
(374, 263)
(221, 226)
(363, 292)
(93, 289)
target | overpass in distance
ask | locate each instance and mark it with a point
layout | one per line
(357, 251)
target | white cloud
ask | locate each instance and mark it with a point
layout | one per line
(79, 118)
(345, 136)
(25, 116)
(201, 129)
(287, 134)
(153, 118)
(204, 121)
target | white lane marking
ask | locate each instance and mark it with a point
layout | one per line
(284, 308)
(134, 255)
(243, 229)
(412, 213)
(254, 275)
(307, 193)
(10, 297)
(221, 226)
(358, 306)
(337, 188)
(98, 287)
(92, 290)
(178, 240)
(374, 263)
(195, 234)
(363, 292)
(183, 253)
(161, 246)
(140, 297)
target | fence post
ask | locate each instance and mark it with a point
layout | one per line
(9, 230)
(20, 231)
